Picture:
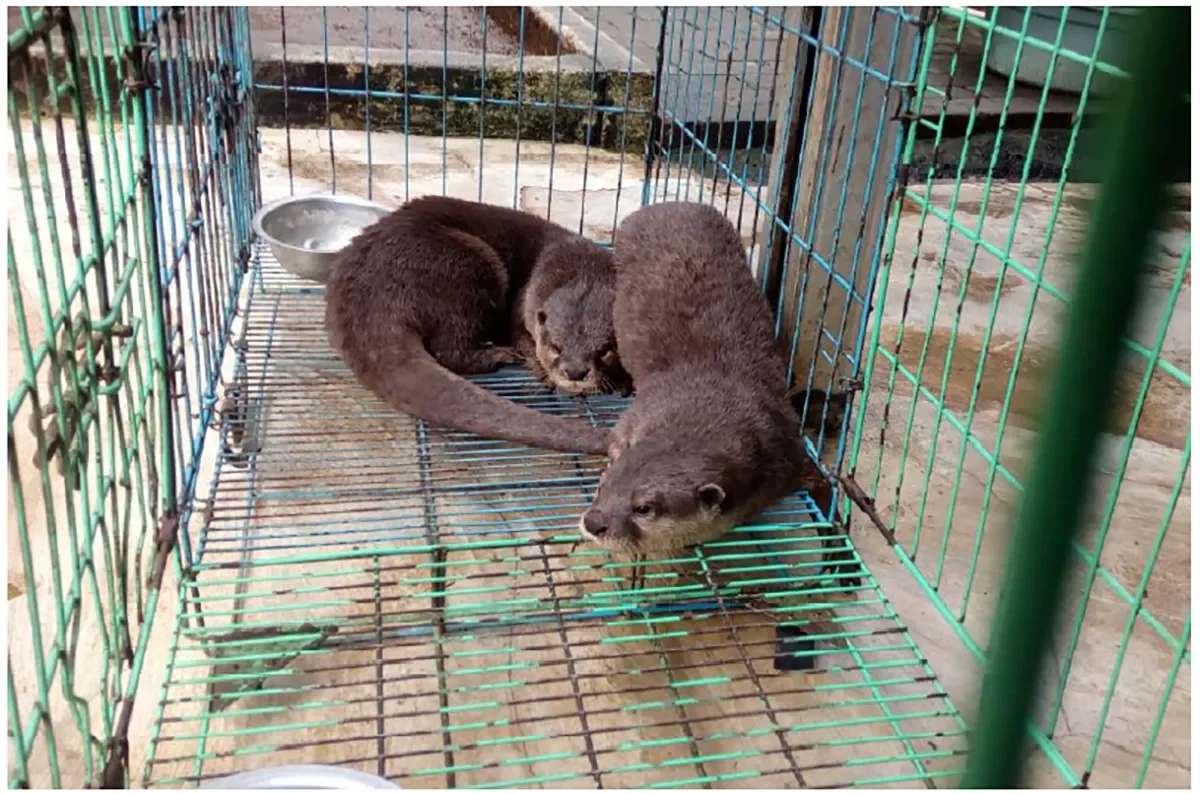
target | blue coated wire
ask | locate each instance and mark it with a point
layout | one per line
(591, 126)
(520, 97)
(774, 83)
(877, 245)
(624, 117)
(367, 98)
(287, 124)
(826, 139)
(777, 177)
(666, 111)
(712, 94)
(380, 93)
(407, 89)
(328, 107)
(554, 115)
(482, 95)
(445, 88)
(732, 145)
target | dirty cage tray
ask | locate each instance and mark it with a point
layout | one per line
(412, 602)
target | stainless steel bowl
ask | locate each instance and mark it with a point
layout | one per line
(301, 776)
(306, 232)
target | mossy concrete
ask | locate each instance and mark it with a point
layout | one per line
(568, 98)
(544, 98)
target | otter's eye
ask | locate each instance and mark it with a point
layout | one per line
(608, 357)
(644, 509)
(554, 350)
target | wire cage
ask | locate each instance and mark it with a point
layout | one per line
(226, 555)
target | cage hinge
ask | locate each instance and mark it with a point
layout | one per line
(903, 173)
(865, 503)
(137, 59)
(164, 544)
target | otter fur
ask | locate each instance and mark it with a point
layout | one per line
(425, 296)
(711, 438)
(562, 320)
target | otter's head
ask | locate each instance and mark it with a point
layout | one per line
(575, 342)
(657, 497)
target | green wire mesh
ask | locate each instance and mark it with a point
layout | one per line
(88, 458)
(353, 587)
(111, 252)
(971, 298)
(416, 603)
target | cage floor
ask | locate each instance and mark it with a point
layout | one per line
(413, 603)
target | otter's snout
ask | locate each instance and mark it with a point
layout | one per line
(595, 525)
(576, 372)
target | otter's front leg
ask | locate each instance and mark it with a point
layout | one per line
(480, 361)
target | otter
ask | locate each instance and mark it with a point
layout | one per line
(711, 438)
(562, 320)
(425, 295)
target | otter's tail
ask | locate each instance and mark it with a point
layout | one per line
(412, 381)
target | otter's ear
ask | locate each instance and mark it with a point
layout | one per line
(710, 495)
(541, 318)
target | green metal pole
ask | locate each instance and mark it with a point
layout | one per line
(1146, 135)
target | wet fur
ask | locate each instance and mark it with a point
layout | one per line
(712, 437)
(424, 296)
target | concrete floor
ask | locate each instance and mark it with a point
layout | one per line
(591, 191)
(459, 28)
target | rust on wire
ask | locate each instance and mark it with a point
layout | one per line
(865, 503)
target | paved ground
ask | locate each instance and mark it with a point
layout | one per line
(713, 59)
(457, 28)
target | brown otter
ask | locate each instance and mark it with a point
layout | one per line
(562, 320)
(711, 438)
(424, 296)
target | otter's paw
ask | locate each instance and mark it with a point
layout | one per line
(499, 356)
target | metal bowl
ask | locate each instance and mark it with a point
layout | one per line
(306, 233)
(301, 776)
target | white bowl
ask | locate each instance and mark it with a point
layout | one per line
(301, 776)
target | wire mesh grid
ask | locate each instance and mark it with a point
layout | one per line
(412, 602)
(347, 574)
(790, 116)
(974, 287)
(123, 264)
(88, 471)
